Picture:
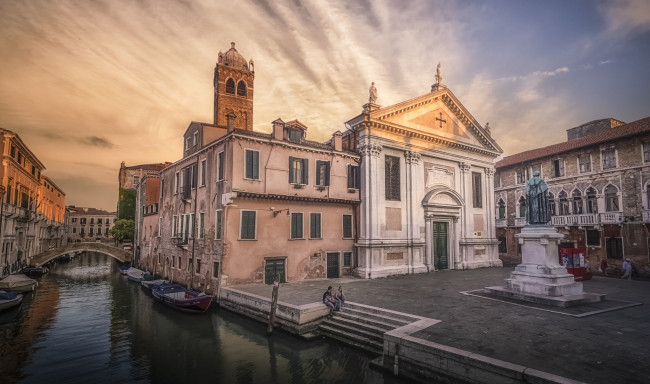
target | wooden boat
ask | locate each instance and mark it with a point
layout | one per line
(18, 283)
(135, 274)
(34, 271)
(149, 284)
(181, 298)
(124, 269)
(9, 299)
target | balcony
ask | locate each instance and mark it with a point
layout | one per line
(646, 215)
(582, 219)
(611, 217)
(520, 221)
(501, 223)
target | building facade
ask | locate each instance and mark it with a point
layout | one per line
(426, 186)
(599, 192)
(32, 206)
(89, 224)
(128, 180)
(244, 206)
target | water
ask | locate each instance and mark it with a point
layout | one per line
(86, 323)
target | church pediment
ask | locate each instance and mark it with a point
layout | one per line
(438, 115)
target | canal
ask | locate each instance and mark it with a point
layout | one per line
(86, 323)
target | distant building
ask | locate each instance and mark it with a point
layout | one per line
(599, 184)
(129, 178)
(147, 220)
(32, 214)
(89, 224)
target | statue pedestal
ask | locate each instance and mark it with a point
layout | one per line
(540, 278)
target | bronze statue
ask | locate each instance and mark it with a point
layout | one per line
(537, 196)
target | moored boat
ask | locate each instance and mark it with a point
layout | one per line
(9, 299)
(181, 298)
(149, 284)
(124, 269)
(137, 275)
(34, 271)
(18, 283)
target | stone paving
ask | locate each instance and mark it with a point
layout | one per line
(609, 347)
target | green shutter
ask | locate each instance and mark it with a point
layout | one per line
(305, 173)
(327, 173)
(318, 165)
(256, 165)
(291, 170)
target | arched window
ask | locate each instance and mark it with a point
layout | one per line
(230, 86)
(502, 209)
(577, 202)
(611, 199)
(563, 206)
(522, 207)
(592, 203)
(241, 88)
(551, 204)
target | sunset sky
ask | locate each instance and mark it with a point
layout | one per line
(88, 84)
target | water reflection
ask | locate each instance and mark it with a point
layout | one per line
(88, 323)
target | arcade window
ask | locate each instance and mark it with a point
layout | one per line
(230, 86)
(241, 88)
(502, 209)
(611, 199)
(392, 178)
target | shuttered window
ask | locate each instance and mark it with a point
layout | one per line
(252, 164)
(322, 173)
(298, 170)
(296, 225)
(247, 225)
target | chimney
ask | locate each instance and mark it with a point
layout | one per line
(337, 140)
(231, 121)
(278, 129)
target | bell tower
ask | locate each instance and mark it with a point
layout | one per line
(233, 89)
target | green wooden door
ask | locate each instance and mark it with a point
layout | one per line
(440, 253)
(272, 267)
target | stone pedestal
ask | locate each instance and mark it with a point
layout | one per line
(540, 277)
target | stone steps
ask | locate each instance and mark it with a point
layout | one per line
(363, 326)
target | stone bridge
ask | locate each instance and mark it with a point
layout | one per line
(118, 254)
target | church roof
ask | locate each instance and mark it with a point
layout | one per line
(232, 58)
(631, 129)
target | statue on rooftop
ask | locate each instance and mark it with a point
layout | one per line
(373, 93)
(537, 200)
(438, 75)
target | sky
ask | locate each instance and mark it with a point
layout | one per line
(89, 84)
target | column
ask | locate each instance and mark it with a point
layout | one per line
(412, 159)
(428, 239)
(369, 203)
(465, 184)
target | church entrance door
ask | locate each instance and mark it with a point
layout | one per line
(440, 252)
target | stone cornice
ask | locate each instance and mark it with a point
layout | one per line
(269, 196)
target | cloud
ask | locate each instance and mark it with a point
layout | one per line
(625, 18)
(96, 142)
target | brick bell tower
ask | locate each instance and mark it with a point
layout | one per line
(233, 89)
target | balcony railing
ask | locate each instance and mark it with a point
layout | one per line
(646, 215)
(520, 221)
(501, 223)
(583, 219)
(610, 217)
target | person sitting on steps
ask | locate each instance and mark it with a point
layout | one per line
(340, 297)
(330, 302)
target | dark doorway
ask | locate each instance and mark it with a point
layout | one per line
(272, 267)
(440, 252)
(332, 265)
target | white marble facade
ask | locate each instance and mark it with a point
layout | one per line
(434, 223)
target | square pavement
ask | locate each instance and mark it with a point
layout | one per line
(608, 347)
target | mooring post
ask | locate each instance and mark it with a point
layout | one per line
(274, 303)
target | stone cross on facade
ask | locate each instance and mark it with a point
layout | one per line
(441, 120)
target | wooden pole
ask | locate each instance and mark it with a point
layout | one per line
(274, 303)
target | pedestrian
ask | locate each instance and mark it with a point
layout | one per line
(603, 266)
(340, 297)
(627, 269)
(330, 302)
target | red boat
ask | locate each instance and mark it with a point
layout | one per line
(181, 298)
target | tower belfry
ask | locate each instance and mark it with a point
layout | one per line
(233, 89)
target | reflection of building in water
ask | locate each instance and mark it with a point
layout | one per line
(35, 316)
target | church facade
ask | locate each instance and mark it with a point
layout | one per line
(426, 181)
